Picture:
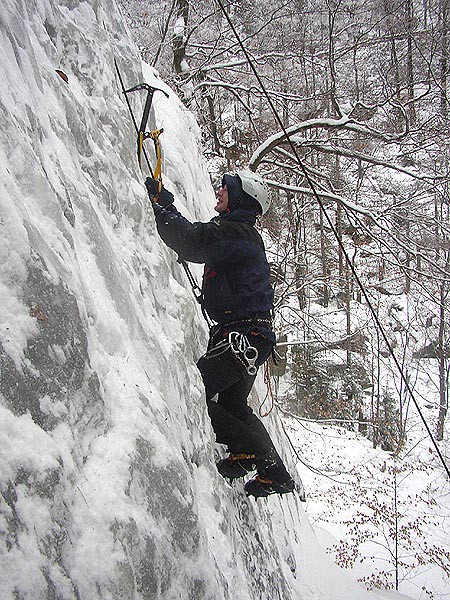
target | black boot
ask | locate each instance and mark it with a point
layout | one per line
(236, 465)
(270, 466)
(260, 487)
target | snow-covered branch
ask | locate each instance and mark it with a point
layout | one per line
(345, 122)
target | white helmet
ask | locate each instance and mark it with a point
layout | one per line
(254, 186)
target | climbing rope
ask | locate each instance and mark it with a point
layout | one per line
(334, 230)
(269, 392)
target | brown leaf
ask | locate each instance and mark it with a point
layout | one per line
(62, 75)
(38, 313)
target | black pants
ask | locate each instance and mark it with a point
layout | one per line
(228, 386)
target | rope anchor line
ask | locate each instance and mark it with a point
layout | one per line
(335, 232)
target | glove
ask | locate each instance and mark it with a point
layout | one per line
(164, 198)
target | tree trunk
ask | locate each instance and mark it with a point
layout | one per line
(324, 260)
(407, 288)
(444, 57)
(179, 35)
(376, 394)
(443, 367)
(348, 317)
(213, 123)
(410, 61)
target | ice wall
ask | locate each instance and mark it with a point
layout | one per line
(107, 478)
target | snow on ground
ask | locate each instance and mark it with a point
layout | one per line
(352, 486)
(352, 489)
(107, 478)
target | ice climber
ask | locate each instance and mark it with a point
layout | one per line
(238, 297)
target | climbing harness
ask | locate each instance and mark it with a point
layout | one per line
(265, 320)
(240, 347)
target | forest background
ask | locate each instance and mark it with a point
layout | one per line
(361, 88)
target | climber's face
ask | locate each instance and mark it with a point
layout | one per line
(222, 200)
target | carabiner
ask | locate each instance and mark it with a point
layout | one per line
(240, 346)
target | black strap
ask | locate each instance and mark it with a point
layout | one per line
(196, 290)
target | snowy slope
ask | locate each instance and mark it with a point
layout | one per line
(107, 478)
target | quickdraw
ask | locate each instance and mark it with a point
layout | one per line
(240, 347)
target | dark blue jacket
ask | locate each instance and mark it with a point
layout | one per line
(236, 277)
